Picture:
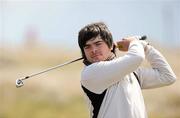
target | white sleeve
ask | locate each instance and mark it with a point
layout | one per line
(99, 76)
(159, 75)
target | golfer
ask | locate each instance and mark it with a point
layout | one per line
(113, 84)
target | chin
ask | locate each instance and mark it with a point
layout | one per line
(97, 60)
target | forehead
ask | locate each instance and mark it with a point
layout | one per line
(94, 40)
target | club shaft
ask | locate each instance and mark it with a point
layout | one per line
(52, 68)
(66, 63)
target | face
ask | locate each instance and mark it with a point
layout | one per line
(97, 50)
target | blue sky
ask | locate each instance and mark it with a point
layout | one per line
(57, 22)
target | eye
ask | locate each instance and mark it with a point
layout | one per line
(86, 47)
(99, 43)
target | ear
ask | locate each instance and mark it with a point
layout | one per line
(113, 46)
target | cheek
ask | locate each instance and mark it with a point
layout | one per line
(106, 52)
(86, 52)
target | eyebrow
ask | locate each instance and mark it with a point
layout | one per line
(94, 43)
(98, 41)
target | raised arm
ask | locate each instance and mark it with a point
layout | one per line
(99, 76)
(159, 75)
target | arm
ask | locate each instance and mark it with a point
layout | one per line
(99, 76)
(159, 75)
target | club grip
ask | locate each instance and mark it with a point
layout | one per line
(122, 48)
(144, 37)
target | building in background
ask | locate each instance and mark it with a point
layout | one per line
(31, 37)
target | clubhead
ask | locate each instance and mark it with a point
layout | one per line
(19, 83)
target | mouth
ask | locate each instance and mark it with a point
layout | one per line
(95, 55)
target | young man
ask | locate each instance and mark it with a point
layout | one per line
(113, 84)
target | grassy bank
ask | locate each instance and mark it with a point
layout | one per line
(57, 94)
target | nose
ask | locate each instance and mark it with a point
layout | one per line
(94, 49)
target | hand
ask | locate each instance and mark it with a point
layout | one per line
(124, 44)
(145, 44)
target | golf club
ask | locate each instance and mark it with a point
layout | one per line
(19, 82)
